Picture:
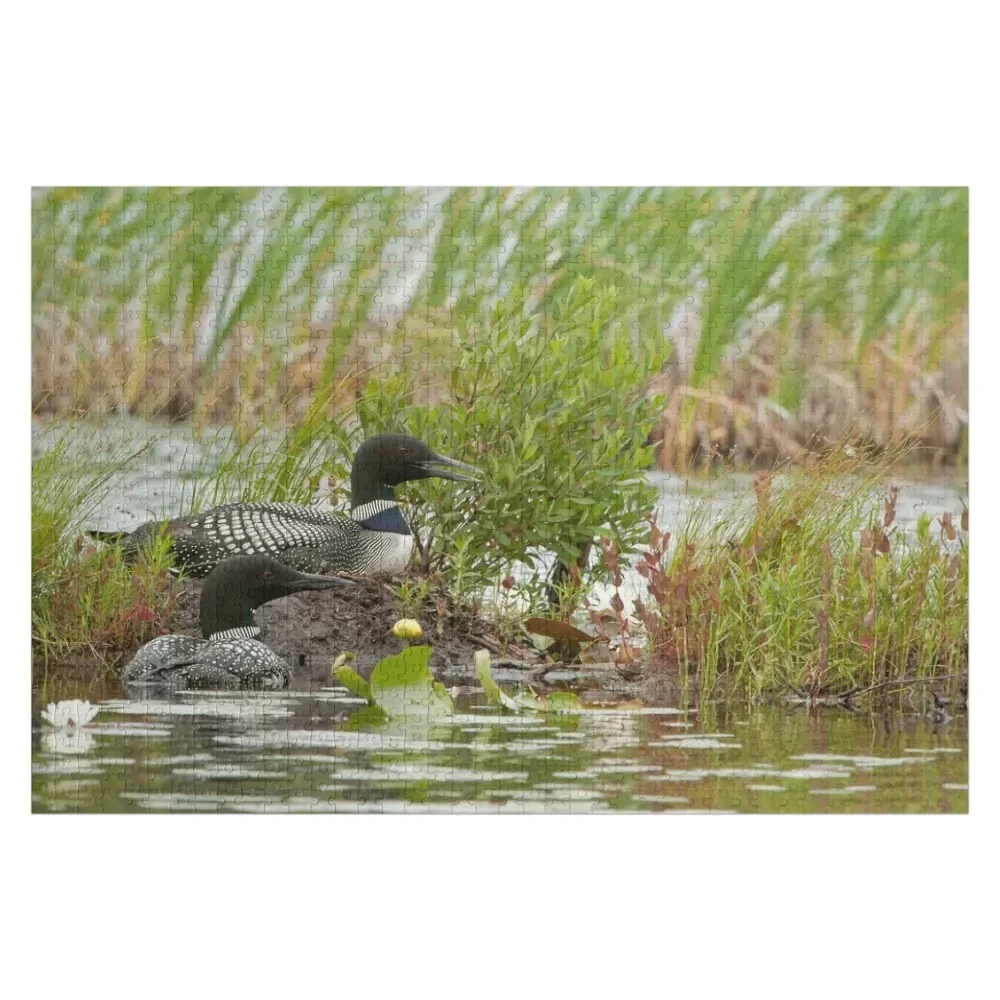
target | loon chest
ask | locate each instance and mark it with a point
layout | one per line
(386, 539)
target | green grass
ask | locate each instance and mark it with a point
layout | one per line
(285, 465)
(242, 304)
(88, 606)
(810, 588)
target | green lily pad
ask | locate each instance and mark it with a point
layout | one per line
(403, 685)
(354, 683)
(558, 701)
(493, 693)
(529, 701)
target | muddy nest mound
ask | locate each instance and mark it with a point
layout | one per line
(311, 628)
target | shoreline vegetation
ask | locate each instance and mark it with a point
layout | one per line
(818, 335)
(806, 591)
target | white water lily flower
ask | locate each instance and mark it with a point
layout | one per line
(69, 713)
(73, 740)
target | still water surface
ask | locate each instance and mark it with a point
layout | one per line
(307, 752)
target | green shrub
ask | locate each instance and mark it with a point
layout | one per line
(553, 410)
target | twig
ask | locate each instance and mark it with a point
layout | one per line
(904, 681)
(489, 643)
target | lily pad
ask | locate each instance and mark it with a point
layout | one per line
(404, 685)
(524, 700)
(493, 693)
(354, 682)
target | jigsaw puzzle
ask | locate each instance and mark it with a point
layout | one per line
(500, 500)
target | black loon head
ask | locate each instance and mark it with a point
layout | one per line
(239, 585)
(386, 460)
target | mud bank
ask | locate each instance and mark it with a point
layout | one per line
(310, 629)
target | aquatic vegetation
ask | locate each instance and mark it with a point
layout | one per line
(404, 685)
(401, 685)
(73, 713)
(87, 604)
(793, 314)
(494, 694)
(809, 589)
(350, 679)
(524, 700)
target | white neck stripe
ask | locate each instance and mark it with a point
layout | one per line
(240, 632)
(366, 510)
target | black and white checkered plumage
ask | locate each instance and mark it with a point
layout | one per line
(373, 539)
(230, 657)
(218, 663)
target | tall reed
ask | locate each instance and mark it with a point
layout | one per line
(240, 304)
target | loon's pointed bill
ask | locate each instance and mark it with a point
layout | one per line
(441, 467)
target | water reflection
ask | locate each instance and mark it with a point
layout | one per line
(318, 752)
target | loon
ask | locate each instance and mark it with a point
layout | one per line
(230, 656)
(374, 539)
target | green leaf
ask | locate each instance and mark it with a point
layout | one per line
(530, 701)
(354, 683)
(493, 693)
(404, 685)
(558, 701)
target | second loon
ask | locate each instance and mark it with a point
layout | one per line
(230, 656)
(374, 539)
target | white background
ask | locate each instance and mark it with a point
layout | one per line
(530, 93)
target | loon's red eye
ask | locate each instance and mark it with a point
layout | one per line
(403, 450)
(268, 575)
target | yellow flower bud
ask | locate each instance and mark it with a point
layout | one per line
(407, 628)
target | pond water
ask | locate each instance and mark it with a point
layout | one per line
(306, 752)
(311, 751)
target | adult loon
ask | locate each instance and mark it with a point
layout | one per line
(230, 655)
(374, 539)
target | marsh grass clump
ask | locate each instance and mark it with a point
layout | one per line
(288, 465)
(810, 588)
(88, 606)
